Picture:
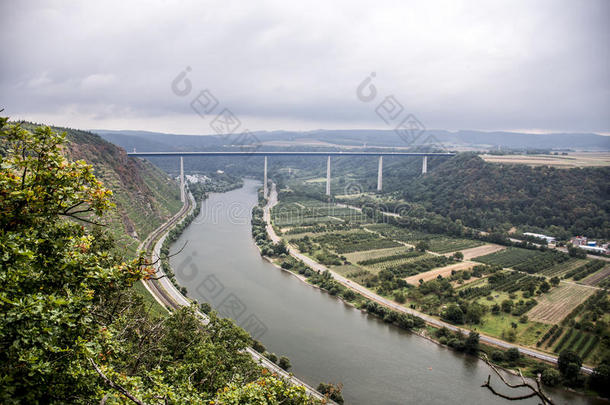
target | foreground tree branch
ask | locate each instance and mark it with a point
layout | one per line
(114, 385)
(534, 391)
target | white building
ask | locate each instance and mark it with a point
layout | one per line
(596, 249)
(549, 239)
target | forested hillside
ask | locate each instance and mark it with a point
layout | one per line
(72, 329)
(144, 196)
(492, 196)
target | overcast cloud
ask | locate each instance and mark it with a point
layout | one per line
(490, 65)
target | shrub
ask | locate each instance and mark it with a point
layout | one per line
(512, 354)
(600, 379)
(400, 297)
(258, 346)
(497, 356)
(454, 314)
(349, 295)
(284, 363)
(271, 356)
(550, 377)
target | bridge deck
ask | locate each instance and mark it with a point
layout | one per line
(276, 153)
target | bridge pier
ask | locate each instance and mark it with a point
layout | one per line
(424, 165)
(182, 193)
(265, 191)
(380, 174)
(328, 176)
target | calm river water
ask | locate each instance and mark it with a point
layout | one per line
(325, 339)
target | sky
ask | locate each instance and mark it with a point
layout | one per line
(537, 66)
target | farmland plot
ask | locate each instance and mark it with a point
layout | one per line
(438, 243)
(308, 212)
(354, 241)
(557, 304)
(443, 272)
(391, 263)
(401, 234)
(508, 257)
(560, 269)
(445, 244)
(483, 250)
(598, 277)
(355, 257)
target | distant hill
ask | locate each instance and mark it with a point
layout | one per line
(154, 141)
(144, 195)
(492, 196)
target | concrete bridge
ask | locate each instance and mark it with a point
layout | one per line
(424, 156)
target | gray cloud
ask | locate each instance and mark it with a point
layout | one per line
(295, 65)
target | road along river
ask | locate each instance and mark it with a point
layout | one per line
(325, 339)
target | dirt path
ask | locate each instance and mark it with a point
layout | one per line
(443, 271)
(479, 251)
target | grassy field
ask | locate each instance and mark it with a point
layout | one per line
(316, 180)
(346, 269)
(526, 334)
(559, 302)
(581, 159)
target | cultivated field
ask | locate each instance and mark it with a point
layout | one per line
(480, 251)
(508, 257)
(446, 244)
(598, 277)
(443, 272)
(438, 243)
(394, 232)
(391, 262)
(582, 159)
(557, 304)
(309, 212)
(356, 257)
(562, 268)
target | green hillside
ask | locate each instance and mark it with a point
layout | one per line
(144, 196)
(494, 196)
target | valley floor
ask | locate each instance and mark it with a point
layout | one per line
(335, 238)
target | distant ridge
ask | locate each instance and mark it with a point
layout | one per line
(156, 141)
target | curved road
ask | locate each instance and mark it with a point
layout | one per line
(168, 296)
(391, 304)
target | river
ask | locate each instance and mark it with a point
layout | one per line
(325, 339)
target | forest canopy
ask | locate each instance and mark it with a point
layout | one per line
(491, 196)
